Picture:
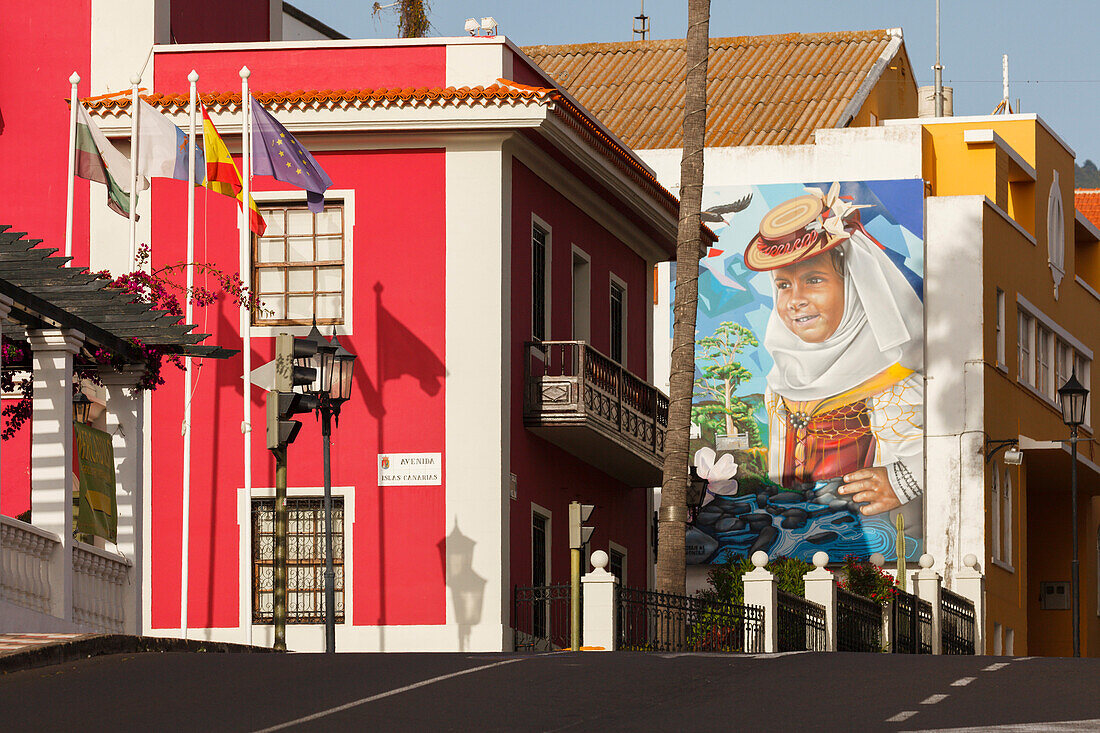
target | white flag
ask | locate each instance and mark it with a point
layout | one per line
(162, 147)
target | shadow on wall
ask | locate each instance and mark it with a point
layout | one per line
(467, 587)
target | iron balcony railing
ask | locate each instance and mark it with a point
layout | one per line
(801, 624)
(569, 383)
(858, 623)
(956, 623)
(653, 621)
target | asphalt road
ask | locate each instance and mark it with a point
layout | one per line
(552, 692)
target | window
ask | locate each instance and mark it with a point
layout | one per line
(1063, 363)
(540, 570)
(618, 319)
(1006, 517)
(305, 572)
(1023, 345)
(582, 296)
(1000, 327)
(298, 265)
(539, 260)
(995, 510)
(616, 563)
(1043, 341)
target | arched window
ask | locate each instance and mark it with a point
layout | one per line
(1056, 234)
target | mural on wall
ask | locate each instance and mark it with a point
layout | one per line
(807, 418)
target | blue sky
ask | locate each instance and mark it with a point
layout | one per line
(1052, 45)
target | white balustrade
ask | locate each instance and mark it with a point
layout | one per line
(99, 585)
(25, 553)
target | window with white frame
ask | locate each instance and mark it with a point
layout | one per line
(1063, 363)
(1044, 341)
(618, 320)
(1000, 327)
(298, 265)
(540, 566)
(305, 561)
(1023, 345)
(582, 296)
(616, 562)
(1082, 367)
(540, 265)
(1007, 519)
(995, 510)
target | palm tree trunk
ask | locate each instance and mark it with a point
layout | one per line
(673, 514)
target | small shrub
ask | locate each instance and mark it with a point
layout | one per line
(864, 579)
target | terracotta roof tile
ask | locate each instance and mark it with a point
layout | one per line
(1087, 202)
(761, 89)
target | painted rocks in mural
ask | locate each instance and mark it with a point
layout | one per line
(808, 391)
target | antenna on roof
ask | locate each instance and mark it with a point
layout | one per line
(1004, 107)
(938, 68)
(641, 23)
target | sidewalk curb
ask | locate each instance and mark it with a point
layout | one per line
(95, 645)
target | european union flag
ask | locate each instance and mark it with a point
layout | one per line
(277, 153)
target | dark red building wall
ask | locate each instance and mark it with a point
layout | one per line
(620, 514)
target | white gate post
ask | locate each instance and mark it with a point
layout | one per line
(600, 617)
(125, 416)
(970, 583)
(761, 590)
(821, 588)
(926, 583)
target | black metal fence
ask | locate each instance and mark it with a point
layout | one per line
(911, 624)
(858, 623)
(653, 621)
(956, 623)
(801, 624)
(540, 617)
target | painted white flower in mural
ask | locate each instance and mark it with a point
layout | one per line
(721, 470)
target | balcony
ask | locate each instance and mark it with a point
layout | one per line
(586, 404)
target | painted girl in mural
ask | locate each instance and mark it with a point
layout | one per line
(845, 394)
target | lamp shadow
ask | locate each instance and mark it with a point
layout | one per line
(467, 587)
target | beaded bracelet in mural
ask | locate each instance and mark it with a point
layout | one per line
(905, 486)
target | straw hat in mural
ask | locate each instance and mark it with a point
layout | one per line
(801, 228)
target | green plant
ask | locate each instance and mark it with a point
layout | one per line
(864, 579)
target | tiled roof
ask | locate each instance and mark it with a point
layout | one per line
(330, 99)
(761, 90)
(505, 92)
(1087, 202)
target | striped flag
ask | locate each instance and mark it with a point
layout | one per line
(97, 160)
(222, 175)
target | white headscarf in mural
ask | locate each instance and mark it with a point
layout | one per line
(882, 325)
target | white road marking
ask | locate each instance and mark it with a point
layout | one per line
(1059, 726)
(995, 666)
(379, 696)
(932, 699)
(902, 716)
(963, 682)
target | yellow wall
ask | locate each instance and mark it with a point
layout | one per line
(1018, 264)
(894, 97)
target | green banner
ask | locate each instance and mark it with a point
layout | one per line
(98, 513)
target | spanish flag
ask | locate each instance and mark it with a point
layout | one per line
(222, 175)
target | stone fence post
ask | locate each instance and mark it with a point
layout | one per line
(970, 583)
(600, 617)
(761, 590)
(821, 588)
(926, 583)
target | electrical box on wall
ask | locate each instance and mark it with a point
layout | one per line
(1054, 595)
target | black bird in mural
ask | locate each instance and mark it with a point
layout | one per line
(716, 213)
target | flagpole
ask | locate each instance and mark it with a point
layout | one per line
(134, 81)
(193, 77)
(73, 80)
(246, 315)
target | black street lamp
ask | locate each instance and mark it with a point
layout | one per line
(696, 492)
(332, 387)
(82, 407)
(1073, 397)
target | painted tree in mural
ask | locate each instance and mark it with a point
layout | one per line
(721, 375)
(670, 576)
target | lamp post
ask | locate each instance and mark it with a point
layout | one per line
(697, 491)
(332, 387)
(1073, 397)
(82, 407)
